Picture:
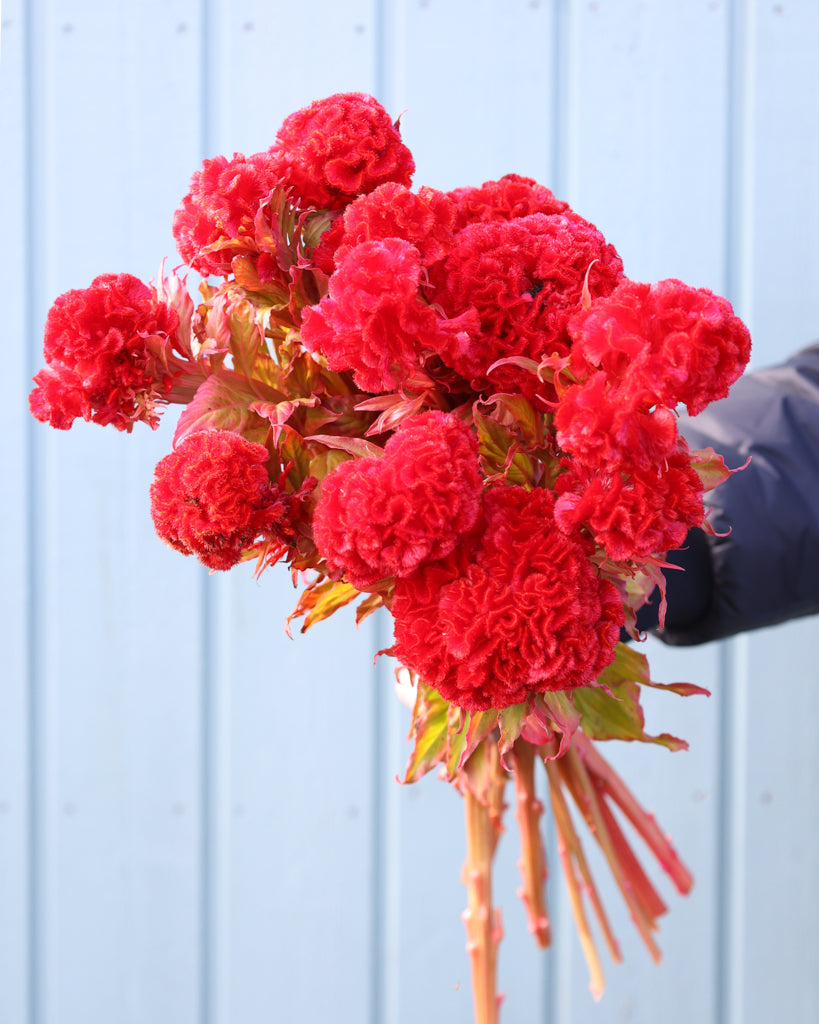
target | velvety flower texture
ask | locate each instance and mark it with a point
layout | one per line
(215, 221)
(636, 515)
(668, 341)
(341, 147)
(524, 278)
(385, 517)
(424, 218)
(518, 611)
(608, 427)
(509, 197)
(212, 497)
(373, 321)
(105, 349)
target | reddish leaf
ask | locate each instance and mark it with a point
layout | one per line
(222, 402)
(356, 446)
(319, 601)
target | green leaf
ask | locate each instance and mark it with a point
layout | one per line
(710, 467)
(463, 741)
(511, 721)
(617, 715)
(628, 666)
(222, 402)
(430, 726)
(500, 451)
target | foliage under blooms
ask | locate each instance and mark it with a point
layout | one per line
(456, 403)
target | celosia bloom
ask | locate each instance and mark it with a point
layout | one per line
(636, 515)
(107, 350)
(212, 497)
(424, 218)
(519, 611)
(524, 279)
(339, 148)
(512, 196)
(215, 222)
(667, 341)
(373, 321)
(385, 517)
(604, 427)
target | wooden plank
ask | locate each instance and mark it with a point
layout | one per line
(775, 769)
(118, 730)
(16, 514)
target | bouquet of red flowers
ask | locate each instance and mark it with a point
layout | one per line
(454, 405)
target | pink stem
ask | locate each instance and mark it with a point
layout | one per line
(532, 864)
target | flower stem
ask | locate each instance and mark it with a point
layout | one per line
(483, 780)
(532, 864)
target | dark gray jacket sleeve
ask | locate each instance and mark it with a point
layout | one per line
(766, 567)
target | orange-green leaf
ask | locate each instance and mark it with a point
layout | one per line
(617, 715)
(430, 723)
(320, 600)
(511, 721)
(465, 740)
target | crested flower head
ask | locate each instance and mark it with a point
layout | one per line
(510, 197)
(667, 341)
(215, 221)
(524, 279)
(106, 349)
(339, 148)
(374, 320)
(516, 610)
(212, 497)
(385, 517)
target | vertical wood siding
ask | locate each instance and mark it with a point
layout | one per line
(199, 822)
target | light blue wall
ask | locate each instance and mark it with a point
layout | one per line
(198, 818)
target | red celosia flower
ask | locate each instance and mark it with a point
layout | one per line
(215, 222)
(512, 196)
(524, 278)
(212, 497)
(339, 148)
(385, 517)
(520, 611)
(606, 427)
(107, 349)
(424, 218)
(633, 515)
(669, 341)
(373, 321)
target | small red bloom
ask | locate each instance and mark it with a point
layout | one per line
(668, 341)
(212, 497)
(107, 349)
(609, 427)
(635, 515)
(518, 611)
(424, 218)
(374, 321)
(385, 517)
(510, 197)
(339, 148)
(215, 222)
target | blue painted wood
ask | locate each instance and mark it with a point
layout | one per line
(190, 863)
(15, 515)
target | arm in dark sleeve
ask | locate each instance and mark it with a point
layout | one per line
(765, 569)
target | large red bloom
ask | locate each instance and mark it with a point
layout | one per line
(524, 279)
(385, 517)
(107, 348)
(374, 321)
(339, 148)
(212, 497)
(519, 611)
(668, 341)
(215, 222)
